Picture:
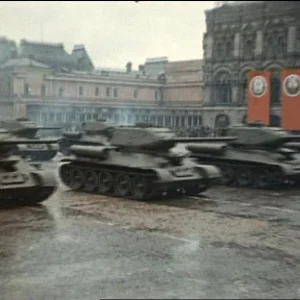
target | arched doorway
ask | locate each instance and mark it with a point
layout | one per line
(222, 121)
(275, 121)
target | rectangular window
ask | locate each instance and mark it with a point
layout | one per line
(135, 94)
(96, 91)
(115, 92)
(108, 92)
(26, 89)
(61, 92)
(80, 91)
(43, 90)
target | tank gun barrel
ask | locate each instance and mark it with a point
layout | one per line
(13, 141)
(207, 148)
(204, 139)
(47, 128)
(293, 145)
(91, 151)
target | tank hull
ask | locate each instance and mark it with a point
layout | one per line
(24, 183)
(37, 152)
(254, 168)
(134, 180)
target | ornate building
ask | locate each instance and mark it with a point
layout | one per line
(53, 87)
(242, 36)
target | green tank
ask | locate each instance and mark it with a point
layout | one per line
(93, 133)
(22, 182)
(138, 163)
(26, 129)
(259, 156)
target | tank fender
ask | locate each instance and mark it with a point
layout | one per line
(162, 174)
(45, 178)
(53, 147)
(289, 170)
(209, 171)
(66, 159)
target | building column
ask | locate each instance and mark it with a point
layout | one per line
(207, 95)
(291, 39)
(209, 46)
(259, 43)
(237, 41)
(234, 94)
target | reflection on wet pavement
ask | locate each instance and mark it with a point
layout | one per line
(225, 244)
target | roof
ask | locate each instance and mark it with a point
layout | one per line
(8, 49)
(53, 55)
(83, 60)
(23, 62)
(184, 65)
(156, 60)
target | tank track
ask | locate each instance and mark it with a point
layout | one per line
(30, 197)
(257, 176)
(120, 182)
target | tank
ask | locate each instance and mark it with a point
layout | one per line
(93, 133)
(139, 162)
(24, 128)
(259, 156)
(22, 182)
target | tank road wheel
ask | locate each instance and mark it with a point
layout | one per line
(77, 179)
(91, 181)
(141, 188)
(105, 182)
(65, 175)
(228, 175)
(245, 177)
(123, 184)
(265, 179)
(197, 189)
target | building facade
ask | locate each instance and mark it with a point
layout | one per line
(244, 36)
(53, 87)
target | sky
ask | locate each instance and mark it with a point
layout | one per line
(113, 32)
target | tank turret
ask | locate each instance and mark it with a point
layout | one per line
(138, 163)
(22, 182)
(26, 129)
(153, 137)
(93, 133)
(260, 156)
(259, 135)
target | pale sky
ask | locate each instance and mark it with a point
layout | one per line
(114, 32)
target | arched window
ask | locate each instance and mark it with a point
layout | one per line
(223, 88)
(228, 49)
(222, 121)
(249, 49)
(219, 50)
(270, 46)
(281, 45)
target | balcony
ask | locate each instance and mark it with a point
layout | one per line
(112, 102)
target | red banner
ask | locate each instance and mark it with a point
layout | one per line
(259, 97)
(290, 99)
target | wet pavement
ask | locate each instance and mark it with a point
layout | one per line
(229, 243)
